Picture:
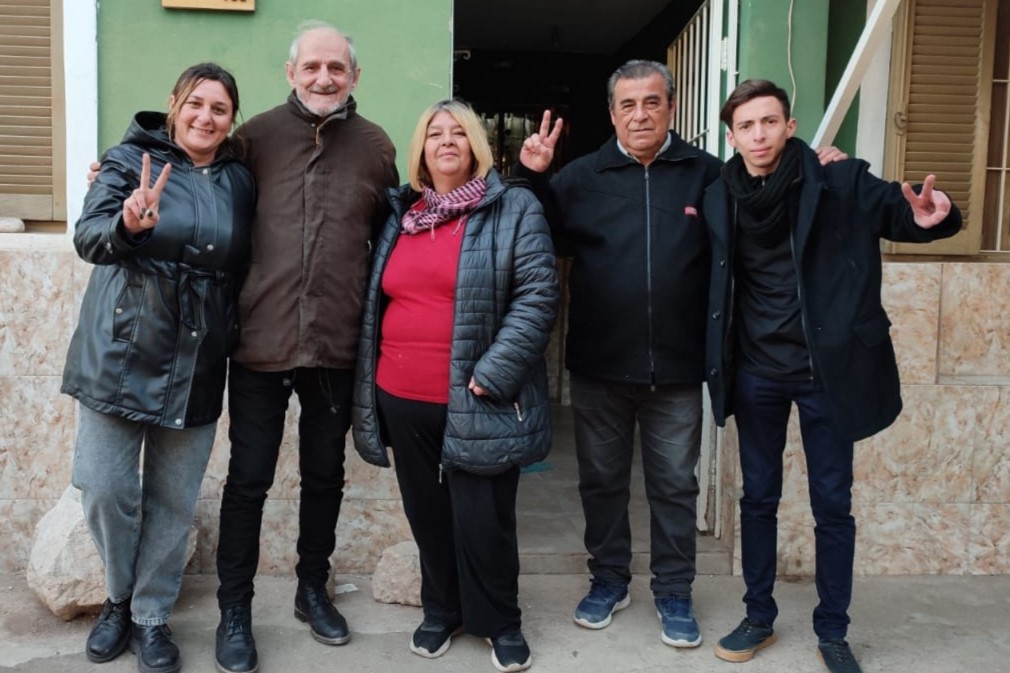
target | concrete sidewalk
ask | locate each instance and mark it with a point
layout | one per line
(920, 624)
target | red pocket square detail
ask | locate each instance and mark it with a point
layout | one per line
(690, 210)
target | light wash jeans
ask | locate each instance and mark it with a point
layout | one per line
(140, 526)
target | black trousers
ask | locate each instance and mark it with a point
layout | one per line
(464, 524)
(257, 406)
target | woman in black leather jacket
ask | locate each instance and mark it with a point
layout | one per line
(451, 373)
(148, 359)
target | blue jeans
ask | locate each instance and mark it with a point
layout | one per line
(669, 420)
(140, 526)
(762, 408)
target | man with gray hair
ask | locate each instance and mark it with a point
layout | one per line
(321, 173)
(629, 214)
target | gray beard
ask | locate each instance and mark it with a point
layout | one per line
(324, 111)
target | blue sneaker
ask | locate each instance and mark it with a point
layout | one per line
(680, 628)
(598, 607)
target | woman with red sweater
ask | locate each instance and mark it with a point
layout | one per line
(451, 374)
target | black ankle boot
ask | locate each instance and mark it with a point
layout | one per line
(235, 650)
(312, 605)
(156, 653)
(111, 633)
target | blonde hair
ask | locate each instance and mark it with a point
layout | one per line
(473, 127)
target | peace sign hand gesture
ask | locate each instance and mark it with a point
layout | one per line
(140, 209)
(538, 150)
(930, 206)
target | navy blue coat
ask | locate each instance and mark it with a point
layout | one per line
(843, 213)
(506, 302)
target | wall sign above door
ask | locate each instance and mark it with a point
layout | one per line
(226, 5)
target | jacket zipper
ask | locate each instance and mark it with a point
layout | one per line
(648, 278)
(399, 214)
(519, 412)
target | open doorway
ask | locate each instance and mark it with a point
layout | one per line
(511, 61)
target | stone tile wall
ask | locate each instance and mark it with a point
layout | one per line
(932, 492)
(42, 282)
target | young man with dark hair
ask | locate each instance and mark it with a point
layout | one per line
(795, 317)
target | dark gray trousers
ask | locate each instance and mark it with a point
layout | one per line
(669, 420)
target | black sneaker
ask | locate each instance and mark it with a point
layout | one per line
(235, 647)
(312, 605)
(837, 656)
(111, 633)
(432, 639)
(745, 641)
(509, 652)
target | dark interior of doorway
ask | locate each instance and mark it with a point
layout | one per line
(510, 88)
(507, 84)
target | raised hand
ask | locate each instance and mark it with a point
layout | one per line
(140, 209)
(538, 150)
(930, 206)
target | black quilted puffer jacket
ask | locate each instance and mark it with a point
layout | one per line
(506, 302)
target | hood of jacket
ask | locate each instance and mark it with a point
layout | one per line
(149, 130)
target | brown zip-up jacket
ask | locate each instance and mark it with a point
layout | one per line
(321, 196)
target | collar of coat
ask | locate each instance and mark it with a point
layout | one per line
(404, 196)
(610, 155)
(148, 130)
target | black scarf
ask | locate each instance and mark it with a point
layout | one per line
(765, 201)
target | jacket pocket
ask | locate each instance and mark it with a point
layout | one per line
(874, 331)
(127, 311)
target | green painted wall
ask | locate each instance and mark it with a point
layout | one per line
(846, 19)
(766, 51)
(404, 50)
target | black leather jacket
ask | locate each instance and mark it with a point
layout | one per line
(506, 302)
(159, 317)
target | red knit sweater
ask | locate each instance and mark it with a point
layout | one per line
(420, 282)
